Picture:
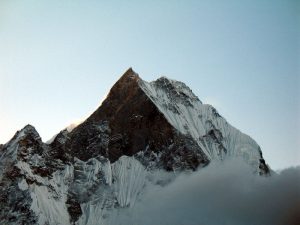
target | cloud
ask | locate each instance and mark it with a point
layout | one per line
(221, 194)
(74, 124)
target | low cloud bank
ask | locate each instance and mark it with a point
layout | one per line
(221, 194)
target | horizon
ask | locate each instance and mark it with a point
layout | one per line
(60, 59)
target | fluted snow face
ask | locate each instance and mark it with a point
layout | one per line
(49, 199)
(129, 178)
(102, 188)
(186, 113)
(48, 196)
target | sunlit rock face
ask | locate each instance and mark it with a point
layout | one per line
(143, 135)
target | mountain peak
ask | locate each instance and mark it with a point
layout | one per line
(26, 131)
(124, 85)
(129, 74)
(140, 115)
(89, 174)
(29, 128)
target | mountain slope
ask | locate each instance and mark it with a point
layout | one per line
(140, 132)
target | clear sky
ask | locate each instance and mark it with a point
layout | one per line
(59, 58)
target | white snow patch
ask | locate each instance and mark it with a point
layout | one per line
(23, 185)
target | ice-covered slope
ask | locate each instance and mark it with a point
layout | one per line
(215, 136)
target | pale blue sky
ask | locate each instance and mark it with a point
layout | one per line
(59, 58)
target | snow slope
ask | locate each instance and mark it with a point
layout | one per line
(190, 117)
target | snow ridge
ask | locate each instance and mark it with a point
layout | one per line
(189, 116)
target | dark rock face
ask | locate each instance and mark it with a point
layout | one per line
(183, 154)
(264, 168)
(58, 146)
(74, 209)
(14, 203)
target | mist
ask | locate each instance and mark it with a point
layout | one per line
(220, 194)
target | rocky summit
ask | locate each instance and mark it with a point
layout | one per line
(143, 134)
